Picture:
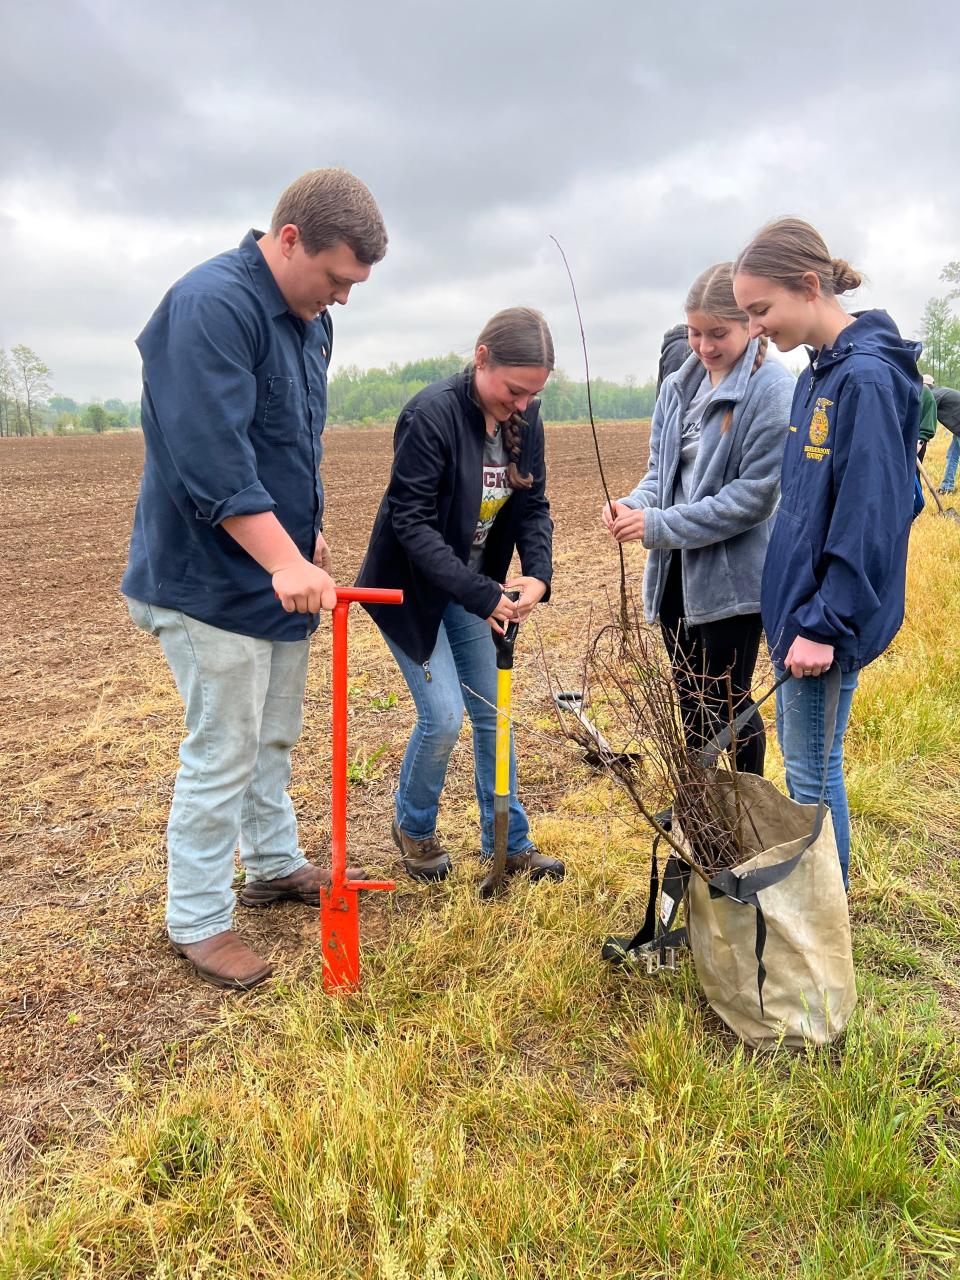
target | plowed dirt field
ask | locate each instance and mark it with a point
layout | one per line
(89, 729)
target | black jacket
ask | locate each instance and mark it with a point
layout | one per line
(948, 408)
(673, 352)
(425, 526)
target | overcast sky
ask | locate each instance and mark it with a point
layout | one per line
(141, 138)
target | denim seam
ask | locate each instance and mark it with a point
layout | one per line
(295, 860)
(202, 728)
(416, 755)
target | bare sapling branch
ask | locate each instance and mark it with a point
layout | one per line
(624, 610)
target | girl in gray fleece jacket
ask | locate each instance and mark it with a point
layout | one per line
(703, 510)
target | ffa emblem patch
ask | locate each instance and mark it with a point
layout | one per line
(820, 423)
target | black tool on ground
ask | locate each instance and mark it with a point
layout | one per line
(601, 753)
(493, 882)
(655, 944)
(944, 511)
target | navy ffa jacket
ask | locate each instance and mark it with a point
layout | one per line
(425, 526)
(836, 564)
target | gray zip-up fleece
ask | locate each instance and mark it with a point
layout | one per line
(723, 530)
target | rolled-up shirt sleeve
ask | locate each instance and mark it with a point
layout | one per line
(198, 356)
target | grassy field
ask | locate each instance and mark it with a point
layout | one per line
(496, 1102)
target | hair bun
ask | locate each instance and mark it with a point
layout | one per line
(845, 277)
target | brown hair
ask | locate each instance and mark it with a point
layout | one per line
(328, 206)
(785, 250)
(517, 336)
(712, 292)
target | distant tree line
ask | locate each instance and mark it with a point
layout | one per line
(28, 406)
(378, 395)
(940, 332)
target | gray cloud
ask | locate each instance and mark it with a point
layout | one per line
(650, 139)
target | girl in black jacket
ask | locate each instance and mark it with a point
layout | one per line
(467, 487)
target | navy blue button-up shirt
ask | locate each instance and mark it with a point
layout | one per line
(234, 406)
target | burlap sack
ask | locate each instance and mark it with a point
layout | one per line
(771, 938)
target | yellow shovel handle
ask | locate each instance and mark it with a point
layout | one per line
(502, 780)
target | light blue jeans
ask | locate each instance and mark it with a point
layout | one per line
(464, 655)
(800, 729)
(949, 482)
(244, 711)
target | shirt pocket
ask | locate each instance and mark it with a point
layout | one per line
(281, 419)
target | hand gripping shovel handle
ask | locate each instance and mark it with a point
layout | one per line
(493, 882)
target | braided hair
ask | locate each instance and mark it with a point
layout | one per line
(512, 440)
(517, 336)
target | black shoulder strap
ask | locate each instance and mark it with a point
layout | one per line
(663, 904)
(725, 736)
(745, 888)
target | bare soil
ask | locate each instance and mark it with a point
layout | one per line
(89, 729)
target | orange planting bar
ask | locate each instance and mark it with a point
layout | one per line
(339, 910)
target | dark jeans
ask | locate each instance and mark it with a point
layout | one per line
(703, 657)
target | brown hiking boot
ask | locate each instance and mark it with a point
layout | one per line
(425, 860)
(225, 961)
(302, 885)
(536, 864)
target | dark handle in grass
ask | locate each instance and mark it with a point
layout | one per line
(505, 643)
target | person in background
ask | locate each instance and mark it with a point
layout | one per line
(928, 416)
(228, 566)
(704, 508)
(948, 413)
(835, 572)
(466, 488)
(674, 350)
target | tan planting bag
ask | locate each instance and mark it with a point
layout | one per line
(771, 938)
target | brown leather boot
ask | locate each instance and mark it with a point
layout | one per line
(536, 864)
(425, 860)
(302, 885)
(225, 961)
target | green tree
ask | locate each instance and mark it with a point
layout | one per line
(32, 386)
(6, 395)
(63, 404)
(96, 418)
(378, 395)
(940, 330)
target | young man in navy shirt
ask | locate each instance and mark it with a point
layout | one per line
(228, 566)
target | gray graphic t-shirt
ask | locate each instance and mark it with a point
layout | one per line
(494, 492)
(690, 440)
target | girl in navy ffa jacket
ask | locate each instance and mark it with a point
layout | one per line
(466, 489)
(834, 576)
